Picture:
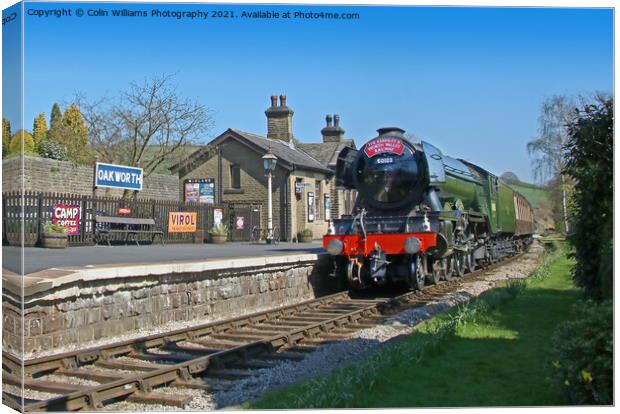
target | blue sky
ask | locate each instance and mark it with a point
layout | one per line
(469, 80)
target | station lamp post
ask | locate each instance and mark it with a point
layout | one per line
(269, 163)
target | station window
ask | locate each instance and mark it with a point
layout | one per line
(235, 176)
(317, 199)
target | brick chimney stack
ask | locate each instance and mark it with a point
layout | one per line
(332, 133)
(279, 120)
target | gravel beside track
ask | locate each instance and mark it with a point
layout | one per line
(15, 390)
(338, 354)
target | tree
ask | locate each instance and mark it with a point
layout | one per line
(557, 113)
(51, 149)
(55, 131)
(39, 131)
(6, 136)
(510, 177)
(148, 124)
(589, 161)
(16, 143)
(75, 135)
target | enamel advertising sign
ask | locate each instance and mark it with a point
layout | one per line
(118, 176)
(181, 222)
(67, 216)
(385, 145)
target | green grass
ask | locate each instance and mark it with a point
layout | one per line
(495, 359)
(550, 239)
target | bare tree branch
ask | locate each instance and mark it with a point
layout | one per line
(147, 124)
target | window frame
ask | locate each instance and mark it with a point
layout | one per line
(232, 169)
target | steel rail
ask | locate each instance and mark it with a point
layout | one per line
(85, 356)
(94, 397)
(182, 372)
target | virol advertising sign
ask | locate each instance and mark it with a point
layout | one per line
(181, 222)
(118, 176)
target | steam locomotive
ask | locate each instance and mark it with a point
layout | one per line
(421, 216)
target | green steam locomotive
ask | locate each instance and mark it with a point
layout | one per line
(421, 216)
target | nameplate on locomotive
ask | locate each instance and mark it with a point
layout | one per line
(384, 145)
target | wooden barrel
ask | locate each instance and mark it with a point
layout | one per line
(54, 240)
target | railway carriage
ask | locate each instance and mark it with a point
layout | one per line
(421, 216)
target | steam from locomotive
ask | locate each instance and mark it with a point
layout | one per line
(421, 216)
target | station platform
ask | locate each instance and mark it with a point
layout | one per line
(81, 295)
(37, 259)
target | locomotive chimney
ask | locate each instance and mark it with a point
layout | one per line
(332, 133)
(279, 120)
(392, 132)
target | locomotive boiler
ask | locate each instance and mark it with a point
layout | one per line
(421, 216)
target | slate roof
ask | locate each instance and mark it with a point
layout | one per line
(288, 156)
(291, 154)
(326, 153)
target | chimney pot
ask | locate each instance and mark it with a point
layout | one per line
(332, 133)
(279, 120)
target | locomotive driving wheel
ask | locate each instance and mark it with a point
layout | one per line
(416, 273)
(449, 267)
(439, 268)
(458, 261)
(470, 262)
(492, 253)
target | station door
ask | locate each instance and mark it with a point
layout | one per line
(243, 218)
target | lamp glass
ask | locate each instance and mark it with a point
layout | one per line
(269, 162)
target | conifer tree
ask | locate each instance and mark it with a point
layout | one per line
(39, 131)
(16, 144)
(55, 131)
(75, 135)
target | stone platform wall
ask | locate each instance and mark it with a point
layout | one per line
(80, 313)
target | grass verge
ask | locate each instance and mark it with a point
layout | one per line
(489, 352)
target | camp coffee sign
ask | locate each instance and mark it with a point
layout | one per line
(181, 222)
(67, 216)
(118, 176)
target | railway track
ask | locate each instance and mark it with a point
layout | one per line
(206, 357)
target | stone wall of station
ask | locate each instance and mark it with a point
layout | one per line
(82, 313)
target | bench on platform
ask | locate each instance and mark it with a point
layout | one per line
(106, 226)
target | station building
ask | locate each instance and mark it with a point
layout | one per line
(303, 184)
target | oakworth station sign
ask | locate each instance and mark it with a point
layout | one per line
(118, 176)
